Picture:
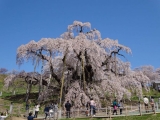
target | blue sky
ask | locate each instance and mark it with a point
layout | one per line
(135, 23)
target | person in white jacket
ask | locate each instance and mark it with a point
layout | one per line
(36, 110)
(3, 116)
(146, 101)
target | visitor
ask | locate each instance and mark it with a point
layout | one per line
(68, 108)
(51, 112)
(152, 103)
(4, 115)
(146, 101)
(55, 110)
(88, 108)
(46, 111)
(92, 107)
(120, 105)
(55, 107)
(36, 110)
(30, 117)
(51, 106)
(115, 105)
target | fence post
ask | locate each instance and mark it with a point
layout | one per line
(157, 105)
(126, 110)
(106, 111)
(98, 110)
(1, 93)
(33, 110)
(74, 114)
(59, 113)
(56, 115)
(140, 109)
(14, 92)
(110, 113)
(19, 111)
(143, 106)
(154, 109)
(78, 112)
(11, 108)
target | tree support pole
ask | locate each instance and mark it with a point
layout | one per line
(62, 84)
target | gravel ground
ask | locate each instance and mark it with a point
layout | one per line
(16, 118)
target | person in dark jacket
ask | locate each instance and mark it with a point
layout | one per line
(30, 117)
(46, 111)
(68, 108)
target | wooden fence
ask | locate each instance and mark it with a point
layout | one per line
(80, 113)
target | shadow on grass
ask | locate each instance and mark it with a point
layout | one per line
(18, 98)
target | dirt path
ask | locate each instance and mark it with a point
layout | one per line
(16, 118)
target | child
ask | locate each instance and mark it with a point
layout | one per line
(30, 117)
(115, 106)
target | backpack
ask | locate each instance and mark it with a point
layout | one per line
(88, 105)
(119, 105)
(114, 103)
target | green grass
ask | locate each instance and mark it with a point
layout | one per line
(82, 119)
(143, 117)
(19, 86)
(152, 92)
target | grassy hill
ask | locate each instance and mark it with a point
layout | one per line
(20, 86)
(18, 98)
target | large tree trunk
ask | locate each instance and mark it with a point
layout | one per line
(27, 92)
(40, 82)
(29, 88)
